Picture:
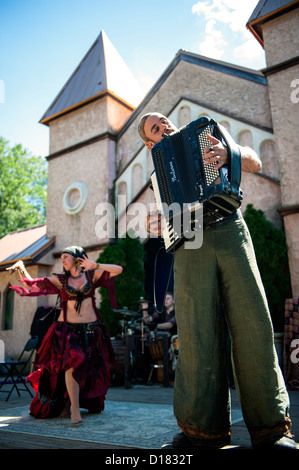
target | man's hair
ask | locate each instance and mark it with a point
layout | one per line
(141, 123)
(169, 293)
(141, 126)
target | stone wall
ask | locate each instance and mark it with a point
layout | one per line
(83, 173)
(226, 93)
(281, 42)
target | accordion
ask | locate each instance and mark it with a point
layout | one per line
(180, 176)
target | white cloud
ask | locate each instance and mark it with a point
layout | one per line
(214, 43)
(233, 14)
(249, 49)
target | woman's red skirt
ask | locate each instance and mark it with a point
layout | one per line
(81, 347)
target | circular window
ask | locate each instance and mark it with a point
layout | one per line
(75, 197)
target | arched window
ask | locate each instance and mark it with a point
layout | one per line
(203, 115)
(184, 115)
(245, 138)
(226, 125)
(122, 188)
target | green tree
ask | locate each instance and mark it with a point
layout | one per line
(129, 253)
(23, 188)
(272, 259)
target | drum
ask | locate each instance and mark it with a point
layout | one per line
(156, 349)
(156, 352)
(119, 348)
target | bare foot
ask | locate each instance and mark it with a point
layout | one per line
(66, 412)
(76, 418)
(77, 421)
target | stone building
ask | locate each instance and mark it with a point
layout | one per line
(96, 155)
(275, 26)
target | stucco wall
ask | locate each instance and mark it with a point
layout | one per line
(91, 120)
(282, 44)
(89, 165)
(281, 39)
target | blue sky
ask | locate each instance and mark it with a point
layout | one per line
(43, 41)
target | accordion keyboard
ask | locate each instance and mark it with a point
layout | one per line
(209, 169)
(168, 234)
(166, 195)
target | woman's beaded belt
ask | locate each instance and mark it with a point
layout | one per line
(86, 326)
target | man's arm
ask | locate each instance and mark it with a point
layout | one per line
(250, 160)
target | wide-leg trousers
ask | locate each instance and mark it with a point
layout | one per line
(218, 288)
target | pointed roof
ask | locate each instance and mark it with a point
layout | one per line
(101, 71)
(267, 10)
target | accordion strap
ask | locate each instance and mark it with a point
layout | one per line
(234, 161)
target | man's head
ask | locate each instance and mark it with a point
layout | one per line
(169, 300)
(152, 126)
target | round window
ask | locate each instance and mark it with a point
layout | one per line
(75, 197)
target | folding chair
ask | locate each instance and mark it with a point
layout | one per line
(14, 370)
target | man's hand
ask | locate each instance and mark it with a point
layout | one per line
(215, 153)
(154, 222)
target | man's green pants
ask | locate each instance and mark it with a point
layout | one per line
(216, 284)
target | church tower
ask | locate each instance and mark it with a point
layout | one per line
(83, 122)
(275, 26)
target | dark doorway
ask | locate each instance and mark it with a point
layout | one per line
(158, 271)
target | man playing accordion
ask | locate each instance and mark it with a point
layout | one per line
(216, 285)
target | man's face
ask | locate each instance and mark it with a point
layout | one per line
(168, 301)
(156, 125)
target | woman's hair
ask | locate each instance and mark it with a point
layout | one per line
(76, 252)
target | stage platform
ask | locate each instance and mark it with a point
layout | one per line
(140, 417)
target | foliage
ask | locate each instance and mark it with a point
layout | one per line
(128, 253)
(272, 258)
(23, 188)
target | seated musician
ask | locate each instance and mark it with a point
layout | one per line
(164, 321)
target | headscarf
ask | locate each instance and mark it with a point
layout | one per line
(75, 251)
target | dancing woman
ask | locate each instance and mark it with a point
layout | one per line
(74, 357)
